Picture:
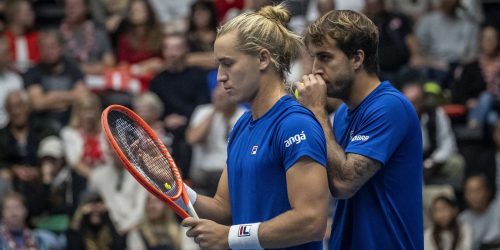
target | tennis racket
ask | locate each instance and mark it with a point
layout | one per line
(145, 157)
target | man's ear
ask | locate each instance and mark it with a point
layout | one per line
(358, 59)
(264, 59)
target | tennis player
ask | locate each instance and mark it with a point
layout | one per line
(374, 149)
(274, 190)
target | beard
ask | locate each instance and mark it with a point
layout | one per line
(340, 88)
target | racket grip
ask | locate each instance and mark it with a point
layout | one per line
(191, 210)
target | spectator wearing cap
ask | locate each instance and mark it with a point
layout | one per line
(56, 179)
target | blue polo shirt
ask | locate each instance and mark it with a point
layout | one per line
(386, 213)
(261, 151)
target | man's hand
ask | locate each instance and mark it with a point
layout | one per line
(207, 234)
(175, 121)
(312, 92)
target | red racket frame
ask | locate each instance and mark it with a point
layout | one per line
(170, 201)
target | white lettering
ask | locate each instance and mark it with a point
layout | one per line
(296, 139)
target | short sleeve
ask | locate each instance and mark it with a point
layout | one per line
(300, 135)
(382, 130)
(200, 113)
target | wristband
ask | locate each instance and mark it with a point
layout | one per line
(192, 198)
(244, 236)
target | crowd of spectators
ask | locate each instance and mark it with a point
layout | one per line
(63, 61)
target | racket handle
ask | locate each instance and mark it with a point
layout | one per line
(191, 210)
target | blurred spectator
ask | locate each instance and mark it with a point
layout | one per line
(19, 141)
(443, 51)
(123, 196)
(483, 213)
(488, 161)
(447, 232)
(14, 234)
(91, 227)
(479, 85)
(85, 146)
(140, 44)
(159, 230)
(318, 8)
(54, 83)
(108, 13)
(181, 88)
(150, 108)
(23, 40)
(412, 8)
(208, 133)
(397, 44)
(356, 5)
(225, 6)
(201, 34)
(9, 80)
(170, 11)
(57, 177)
(442, 163)
(85, 43)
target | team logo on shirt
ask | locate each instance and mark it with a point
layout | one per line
(244, 230)
(360, 138)
(296, 139)
(254, 150)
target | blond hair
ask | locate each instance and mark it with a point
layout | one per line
(266, 29)
(351, 31)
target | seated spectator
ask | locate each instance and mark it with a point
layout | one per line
(23, 40)
(181, 88)
(85, 43)
(108, 13)
(91, 226)
(226, 9)
(123, 196)
(415, 9)
(159, 230)
(140, 43)
(483, 212)
(442, 163)
(479, 85)
(9, 80)
(397, 44)
(57, 178)
(201, 34)
(446, 232)
(207, 133)
(84, 142)
(150, 108)
(443, 51)
(14, 234)
(487, 161)
(55, 83)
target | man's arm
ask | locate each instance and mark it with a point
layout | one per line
(347, 173)
(304, 222)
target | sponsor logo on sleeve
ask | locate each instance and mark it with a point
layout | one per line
(296, 139)
(360, 138)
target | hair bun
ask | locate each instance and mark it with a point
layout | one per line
(276, 13)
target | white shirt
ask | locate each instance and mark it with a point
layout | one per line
(211, 154)
(9, 81)
(465, 242)
(485, 226)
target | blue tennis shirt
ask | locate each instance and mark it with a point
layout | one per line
(386, 213)
(259, 154)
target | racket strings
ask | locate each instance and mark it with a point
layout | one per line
(143, 152)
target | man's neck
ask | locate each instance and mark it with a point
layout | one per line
(362, 86)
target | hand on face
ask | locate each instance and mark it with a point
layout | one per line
(206, 233)
(312, 92)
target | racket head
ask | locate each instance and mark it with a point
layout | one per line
(144, 155)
